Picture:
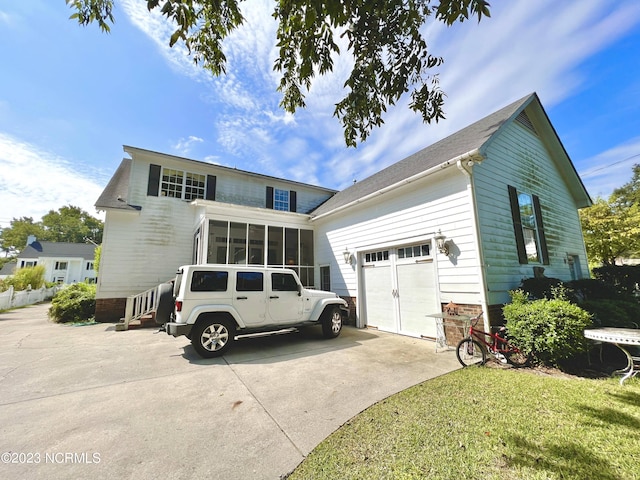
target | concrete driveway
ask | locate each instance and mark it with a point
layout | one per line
(90, 402)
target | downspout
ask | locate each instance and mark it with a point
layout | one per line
(465, 169)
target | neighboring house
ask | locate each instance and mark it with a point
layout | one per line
(7, 270)
(501, 197)
(63, 262)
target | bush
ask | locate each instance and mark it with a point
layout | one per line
(624, 278)
(75, 303)
(592, 289)
(613, 313)
(23, 277)
(540, 287)
(550, 329)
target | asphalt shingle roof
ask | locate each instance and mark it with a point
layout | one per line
(459, 143)
(115, 193)
(8, 268)
(58, 249)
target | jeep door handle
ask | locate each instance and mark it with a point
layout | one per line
(274, 296)
(241, 298)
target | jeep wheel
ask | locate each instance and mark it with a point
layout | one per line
(212, 337)
(165, 303)
(331, 322)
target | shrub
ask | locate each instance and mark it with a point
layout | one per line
(550, 329)
(540, 287)
(613, 313)
(592, 289)
(23, 277)
(624, 278)
(74, 303)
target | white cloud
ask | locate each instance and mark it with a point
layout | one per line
(34, 181)
(184, 145)
(159, 30)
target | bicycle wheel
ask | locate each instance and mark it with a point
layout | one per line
(517, 358)
(471, 352)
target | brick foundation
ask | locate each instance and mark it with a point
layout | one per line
(110, 309)
(456, 330)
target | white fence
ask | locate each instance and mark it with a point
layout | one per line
(11, 299)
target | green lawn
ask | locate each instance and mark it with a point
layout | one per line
(488, 423)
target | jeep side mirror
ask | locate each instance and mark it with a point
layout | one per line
(299, 290)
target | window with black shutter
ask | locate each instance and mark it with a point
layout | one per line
(528, 227)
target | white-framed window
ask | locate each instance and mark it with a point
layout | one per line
(194, 186)
(528, 227)
(183, 185)
(89, 266)
(574, 266)
(253, 244)
(25, 264)
(281, 200)
(325, 278)
(415, 251)
(379, 256)
(60, 266)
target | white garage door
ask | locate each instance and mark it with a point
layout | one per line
(378, 297)
(400, 290)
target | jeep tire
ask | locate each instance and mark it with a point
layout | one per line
(212, 336)
(165, 303)
(331, 319)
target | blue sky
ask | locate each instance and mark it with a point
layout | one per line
(70, 97)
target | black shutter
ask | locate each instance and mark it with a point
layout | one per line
(153, 186)
(544, 251)
(517, 224)
(293, 199)
(269, 199)
(211, 188)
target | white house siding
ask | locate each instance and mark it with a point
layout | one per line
(74, 273)
(517, 157)
(143, 249)
(232, 186)
(410, 214)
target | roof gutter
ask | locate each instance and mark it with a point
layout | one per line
(472, 155)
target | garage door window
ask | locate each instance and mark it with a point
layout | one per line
(415, 251)
(380, 256)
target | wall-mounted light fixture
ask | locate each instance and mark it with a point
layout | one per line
(441, 244)
(347, 255)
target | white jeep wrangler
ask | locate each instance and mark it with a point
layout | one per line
(214, 304)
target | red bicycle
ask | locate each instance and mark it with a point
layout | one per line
(473, 349)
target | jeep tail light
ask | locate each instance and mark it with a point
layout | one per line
(178, 306)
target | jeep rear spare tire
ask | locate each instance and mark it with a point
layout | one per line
(213, 336)
(165, 303)
(331, 322)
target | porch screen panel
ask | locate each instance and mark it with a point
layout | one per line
(218, 239)
(306, 247)
(238, 243)
(256, 245)
(291, 245)
(307, 275)
(276, 246)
